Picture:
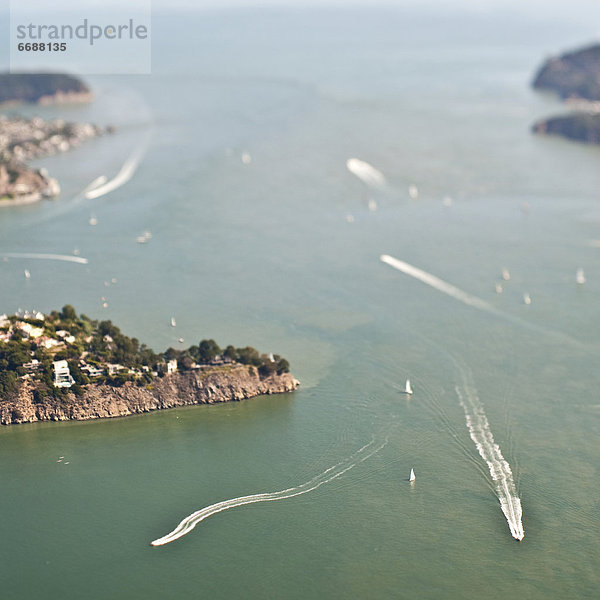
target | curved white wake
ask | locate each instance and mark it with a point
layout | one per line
(329, 475)
(123, 176)
(63, 257)
(366, 172)
(479, 429)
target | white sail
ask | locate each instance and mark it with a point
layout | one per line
(173, 322)
(580, 277)
(412, 475)
(408, 389)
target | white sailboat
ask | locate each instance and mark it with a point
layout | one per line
(505, 274)
(173, 322)
(580, 277)
(412, 475)
(526, 298)
(407, 388)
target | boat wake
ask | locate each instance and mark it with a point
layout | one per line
(469, 299)
(36, 255)
(100, 187)
(366, 173)
(330, 474)
(479, 429)
(438, 284)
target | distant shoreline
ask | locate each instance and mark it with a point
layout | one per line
(42, 88)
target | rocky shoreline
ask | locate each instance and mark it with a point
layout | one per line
(26, 139)
(101, 401)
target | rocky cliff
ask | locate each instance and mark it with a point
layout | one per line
(178, 389)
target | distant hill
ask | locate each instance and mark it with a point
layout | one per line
(572, 75)
(43, 88)
(581, 127)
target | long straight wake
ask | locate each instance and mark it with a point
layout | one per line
(469, 299)
(36, 255)
(329, 475)
(437, 283)
(479, 430)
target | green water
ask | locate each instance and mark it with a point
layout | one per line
(263, 254)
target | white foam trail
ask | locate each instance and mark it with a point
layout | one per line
(366, 172)
(123, 176)
(329, 475)
(479, 429)
(437, 283)
(95, 184)
(63, 257)
(469, 299)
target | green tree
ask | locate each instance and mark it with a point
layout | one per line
(208, 350)
(248, 356)
(230, 353)
(68, 313)
(283, 366)
(8, 382)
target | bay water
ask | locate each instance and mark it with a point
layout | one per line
(262, 237)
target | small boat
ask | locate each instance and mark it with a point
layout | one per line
(526, 298)
(505, 274)
(498, 288)
(413, 191)
(93, 221)
(173, 323)
(142, 239)
(407, 388)
(580, 276)
(412, 475)
(27, 274)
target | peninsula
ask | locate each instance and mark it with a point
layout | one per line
(578, 126)
(573, 75)
(42, 88)
(26, 139)
(64, 366)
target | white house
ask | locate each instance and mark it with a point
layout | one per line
(30, 330)
(62, 375)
